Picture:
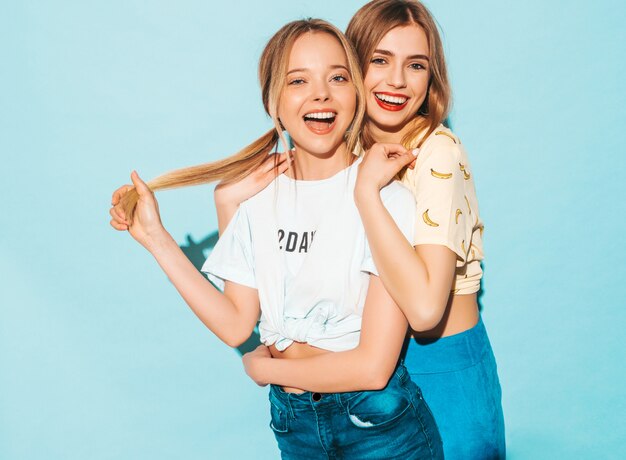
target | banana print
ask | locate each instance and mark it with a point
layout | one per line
(439, 175)
(469, 208)
(443, 133)
(463, 247)
(458, 213)
(466, 175)
(427, 220)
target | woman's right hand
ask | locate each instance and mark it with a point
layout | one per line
(381, 163)
(146, 226)
(235, 193)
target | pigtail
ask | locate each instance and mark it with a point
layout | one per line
(231, 169)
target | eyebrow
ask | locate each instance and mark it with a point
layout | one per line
(336, 66)
(414, 56)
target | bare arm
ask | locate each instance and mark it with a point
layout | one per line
(367, 367)
(419, 279)
(232, 315)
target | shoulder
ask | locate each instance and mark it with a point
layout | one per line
(441, 155)
(442, 144)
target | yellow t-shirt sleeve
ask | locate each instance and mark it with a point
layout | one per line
(443, 210)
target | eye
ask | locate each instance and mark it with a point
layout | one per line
(378, 61)
(417, 66)
(296, 81)
(339, 78)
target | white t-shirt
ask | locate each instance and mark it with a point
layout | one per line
(303, 246)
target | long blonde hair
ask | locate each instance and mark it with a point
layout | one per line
(368, 27)
(273, 67)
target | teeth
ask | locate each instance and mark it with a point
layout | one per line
(321, 115)
(391, 99)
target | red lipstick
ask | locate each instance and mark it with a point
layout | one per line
(392, 107)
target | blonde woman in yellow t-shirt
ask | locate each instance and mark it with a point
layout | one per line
(436, 282)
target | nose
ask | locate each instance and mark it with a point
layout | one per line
(321, 92)
(396, 77)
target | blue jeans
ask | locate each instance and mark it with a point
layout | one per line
(393, 423)
(459, 379)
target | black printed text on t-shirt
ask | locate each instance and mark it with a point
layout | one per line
(294, 241)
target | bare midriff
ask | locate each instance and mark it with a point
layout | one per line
(296, 350)
(461, 314)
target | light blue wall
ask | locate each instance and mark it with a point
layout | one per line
(99, 357)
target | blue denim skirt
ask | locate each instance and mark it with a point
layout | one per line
(459, 379)
(393, 423)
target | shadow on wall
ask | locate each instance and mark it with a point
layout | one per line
(196, 253)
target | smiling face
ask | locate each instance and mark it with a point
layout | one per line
(318, 101)
(396, 81)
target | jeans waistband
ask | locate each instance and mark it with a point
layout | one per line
(310, 399)
(448, 354)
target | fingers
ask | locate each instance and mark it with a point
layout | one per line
(118, 226)
(119, 193)
(399, 154)
(394, 149)
(270, 161)
(117, 222)
(141, 187)
(118, 214)
(408, 157)
(262, 350)
(389, 150)
(282, 167)
(271, 170)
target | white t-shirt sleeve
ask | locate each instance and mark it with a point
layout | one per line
(400, 203)
(232, 257)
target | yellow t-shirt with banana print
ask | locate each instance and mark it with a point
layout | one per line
(447, 208)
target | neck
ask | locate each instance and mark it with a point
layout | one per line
(314, 166)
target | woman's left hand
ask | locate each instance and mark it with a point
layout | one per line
(253, 363)
(381, 163)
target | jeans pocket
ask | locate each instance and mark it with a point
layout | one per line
(279, 421)
(373, 409)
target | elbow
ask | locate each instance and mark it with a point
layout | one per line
(235, 339)
(425, 317)
(378, 375)
(232, 342)
(379, 383)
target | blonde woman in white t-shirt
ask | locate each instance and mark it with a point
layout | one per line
(320, 303)
(435, 284)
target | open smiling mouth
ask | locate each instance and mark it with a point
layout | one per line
(320, 122)
(390, 102)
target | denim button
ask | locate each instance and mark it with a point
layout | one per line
(316, 397)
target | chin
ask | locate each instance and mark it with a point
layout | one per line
(321, 147)
(390, 123)
(393, 121)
